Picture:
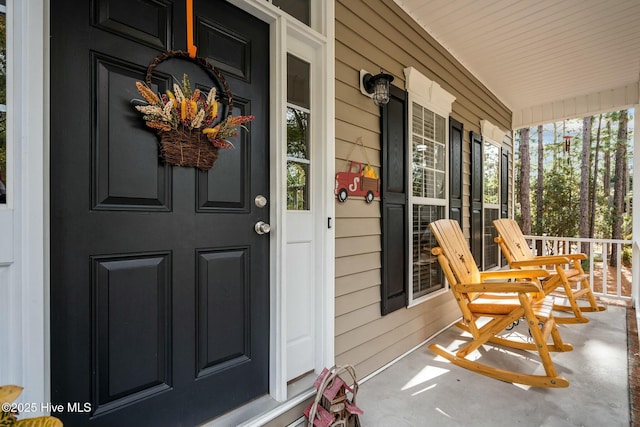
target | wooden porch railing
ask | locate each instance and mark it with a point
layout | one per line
(618, 278)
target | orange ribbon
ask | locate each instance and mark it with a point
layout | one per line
(191, 48)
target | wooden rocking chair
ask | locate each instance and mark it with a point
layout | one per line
(515, 249)
(489, 295)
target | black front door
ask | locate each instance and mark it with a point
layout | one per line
(159, 282)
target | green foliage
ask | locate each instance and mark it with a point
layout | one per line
(297, 138)
(491, 175)
(561, 200)
(3, 59)
(627, 255)
(297, 170)
(561, 179)
(3, 156)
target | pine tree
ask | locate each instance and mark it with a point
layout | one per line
(525, 173)
(583, 229)
(540, 188)
(619, 184)
(594, 185)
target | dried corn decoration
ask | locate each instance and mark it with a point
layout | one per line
(192, 125)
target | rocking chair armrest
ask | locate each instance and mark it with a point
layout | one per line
(575, 256)
(514, 274)
(498, 287)
(542, 260)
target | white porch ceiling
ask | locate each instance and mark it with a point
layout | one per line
(539, 52)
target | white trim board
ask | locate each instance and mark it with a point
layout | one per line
(286, 33)
(24, 279)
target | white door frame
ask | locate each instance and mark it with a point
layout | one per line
(25, 258)
(24, 279)
(286, 31)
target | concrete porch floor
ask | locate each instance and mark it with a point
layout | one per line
(424, 390)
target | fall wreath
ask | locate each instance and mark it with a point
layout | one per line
(191, 125)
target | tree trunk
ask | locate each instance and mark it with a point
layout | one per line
(540, 189)
(594, 186)
(626, 207)
(619, 184)
(555, 140)
(525, 170)
(606, 177)
(583, 228)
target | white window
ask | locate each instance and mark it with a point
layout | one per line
(428, 196)
(430, 106)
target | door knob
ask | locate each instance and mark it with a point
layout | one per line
(262, 227)
(260, 201)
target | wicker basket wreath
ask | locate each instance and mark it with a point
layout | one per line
(192, 126)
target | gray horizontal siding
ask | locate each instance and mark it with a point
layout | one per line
(372, 34)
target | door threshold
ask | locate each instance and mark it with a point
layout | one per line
(300, 384)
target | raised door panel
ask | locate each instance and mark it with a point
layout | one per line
(143, 21)
(132, 332)
(223, 309)
(233, 167)
(127, 173)
(230, 52)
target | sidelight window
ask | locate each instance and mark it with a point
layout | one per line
(298, 148)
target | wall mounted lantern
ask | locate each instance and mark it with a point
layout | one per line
(376, 87)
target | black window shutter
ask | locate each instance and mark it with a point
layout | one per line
(504, 183)
(476, 197)
(456, 132)
(395, 229)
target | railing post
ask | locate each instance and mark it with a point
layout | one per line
(635, 274)
(592, 260)
(605, 267)
(635, 226)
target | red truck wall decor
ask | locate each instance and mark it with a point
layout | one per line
(358, 181)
